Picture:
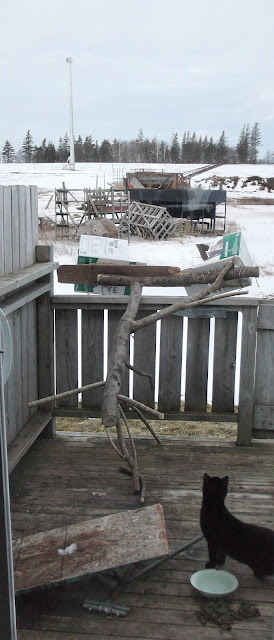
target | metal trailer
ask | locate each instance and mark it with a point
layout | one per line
(197, 205)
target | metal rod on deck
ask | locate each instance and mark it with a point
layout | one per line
(157, 563)
(7, 595)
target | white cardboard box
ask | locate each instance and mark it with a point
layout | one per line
(96, 249)
(230, 247)
(105, 249)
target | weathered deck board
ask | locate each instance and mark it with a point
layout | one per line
(144, 360)
(66, 354)
(92, 355)
(170, 364)
(75, 478)
(197, 364)
(224, 363)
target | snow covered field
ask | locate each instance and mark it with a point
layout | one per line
(256, 221)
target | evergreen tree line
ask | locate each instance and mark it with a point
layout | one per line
(191, 149)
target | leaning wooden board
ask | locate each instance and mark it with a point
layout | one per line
(104, 543)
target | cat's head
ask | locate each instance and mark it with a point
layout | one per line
(215, 488)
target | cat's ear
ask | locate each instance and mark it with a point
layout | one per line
(206, 478)
(225, 481)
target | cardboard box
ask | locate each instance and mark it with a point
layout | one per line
(231, 246)
(95, 249)
(104, 249)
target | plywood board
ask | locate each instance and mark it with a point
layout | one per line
(104, 543)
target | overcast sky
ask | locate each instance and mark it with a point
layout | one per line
(165, 66)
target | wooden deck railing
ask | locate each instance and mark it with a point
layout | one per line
(84, 330)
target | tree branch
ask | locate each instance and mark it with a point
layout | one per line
(182, 279)
(135, 471)
(66, 394)
(127, 455)
(135, 403)
(117, 358)
(149, 427)
(199, 298)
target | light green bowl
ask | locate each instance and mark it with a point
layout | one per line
(213, 583)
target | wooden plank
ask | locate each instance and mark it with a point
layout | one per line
(2, 244)
(22, 215)
(144, 360)
(7, 232)
(29, 238)
(104, 543)
(263, 417)
(114, 317)
(192, 416)
(9, 395)
(18, 300)
(80, 273)
(262, 434)
(66, 344)
(202, 312)
(170, 364)
(246, 392)
(92, 355)
(45, 355)
(14, 281)
(34, 217)
(266, 316)
(224, 363)
(148, 302)
(25, 347)
(15, 228)
(32, 355)
(197, 364)
(15, 380)
(264, 376)
(27, 436)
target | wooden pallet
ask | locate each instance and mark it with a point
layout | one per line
(148, 221)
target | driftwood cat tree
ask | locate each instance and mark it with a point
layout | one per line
(137, 276)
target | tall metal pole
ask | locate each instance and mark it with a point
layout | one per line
(7, 595)
(72, 156)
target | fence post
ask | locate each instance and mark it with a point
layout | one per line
(247, 376)
(45, 342)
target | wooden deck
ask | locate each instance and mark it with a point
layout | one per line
(75, 478)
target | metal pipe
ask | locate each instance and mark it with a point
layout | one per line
(6, 507)
(71, 157)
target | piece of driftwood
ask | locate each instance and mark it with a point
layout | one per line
(112, 398)
(66, 394)
(117, 357)
(86, 387)
(150, 275)
(79, 273)
(128, 325)
(132, 460)
(170, 281)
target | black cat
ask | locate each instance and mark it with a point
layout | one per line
(226, 535)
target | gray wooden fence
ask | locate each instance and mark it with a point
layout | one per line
(263, 412)
(18, 227)
(241, 319)
(25, 295)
